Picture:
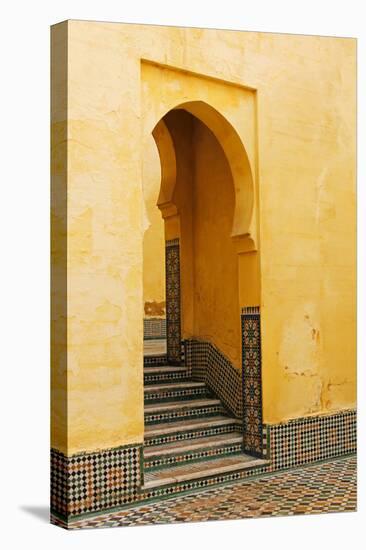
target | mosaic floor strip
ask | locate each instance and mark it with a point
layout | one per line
(322, 488)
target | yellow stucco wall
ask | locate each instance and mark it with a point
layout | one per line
(204, 197)
(154, 240)
(293, 107)
(217, 311)
(181, 125)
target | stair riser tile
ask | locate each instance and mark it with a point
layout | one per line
(155, 360)
(206, 482)
(165, 378)
(188, 435)
(177, 395)
(183, 414)
(157, 463)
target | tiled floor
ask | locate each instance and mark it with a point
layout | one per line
(154, 347)
(321, 488)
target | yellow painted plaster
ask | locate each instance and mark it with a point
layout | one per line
(154, 239)
(293, 108)
(216, 305)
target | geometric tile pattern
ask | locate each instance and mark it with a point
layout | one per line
(179, 487)
(153, 378)
(322, 488)
(192, 434)
(154, 328)
(59, 483)
(207, 364)
(252, 381)
(158, 462)
(96, 481)
(225, 380)
(196, 354)
(172, 276)
(177, 394)
(155, 360)
(311, 439)
(182, 414)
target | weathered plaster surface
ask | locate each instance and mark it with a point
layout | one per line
(154, 240)
(301, 148)
(217, 311)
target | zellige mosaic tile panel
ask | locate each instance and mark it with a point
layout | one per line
(207, 364)
(96, 481)
(154, 328)
(323, 488)
(252, 381)
(311, 439)
(172, 276)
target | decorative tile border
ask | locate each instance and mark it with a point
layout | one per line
(183, 414)
(155, 360)
(92, 482)
(338, 439)
(311, 439)
(252, 381)
(172, 276)
(321, 488)
(192, 434)
(176, 394)
(154, 378)
(154, 328)
(192, 457)
(187, 486)
(207, 364)
(196, 354)
(225, 380)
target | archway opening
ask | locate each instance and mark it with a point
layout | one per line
(200, 198)
(154, 304)
(205, 174)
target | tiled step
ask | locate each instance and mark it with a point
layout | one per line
(201, 470)
(213, 446)
(162, 374)
(179, 410)
(186, 430)
(154, 347)
(174, 391)
(160, 359)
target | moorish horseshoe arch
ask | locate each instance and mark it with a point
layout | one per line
(234, 151)
(241, 234)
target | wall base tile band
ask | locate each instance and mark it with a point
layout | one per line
(92, 483)
(311, 439)
(95, 481)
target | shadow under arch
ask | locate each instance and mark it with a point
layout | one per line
(234, 151)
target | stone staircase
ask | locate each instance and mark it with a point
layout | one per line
(189, 435)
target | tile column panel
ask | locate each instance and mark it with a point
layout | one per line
(173, 328)
(252, 381)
